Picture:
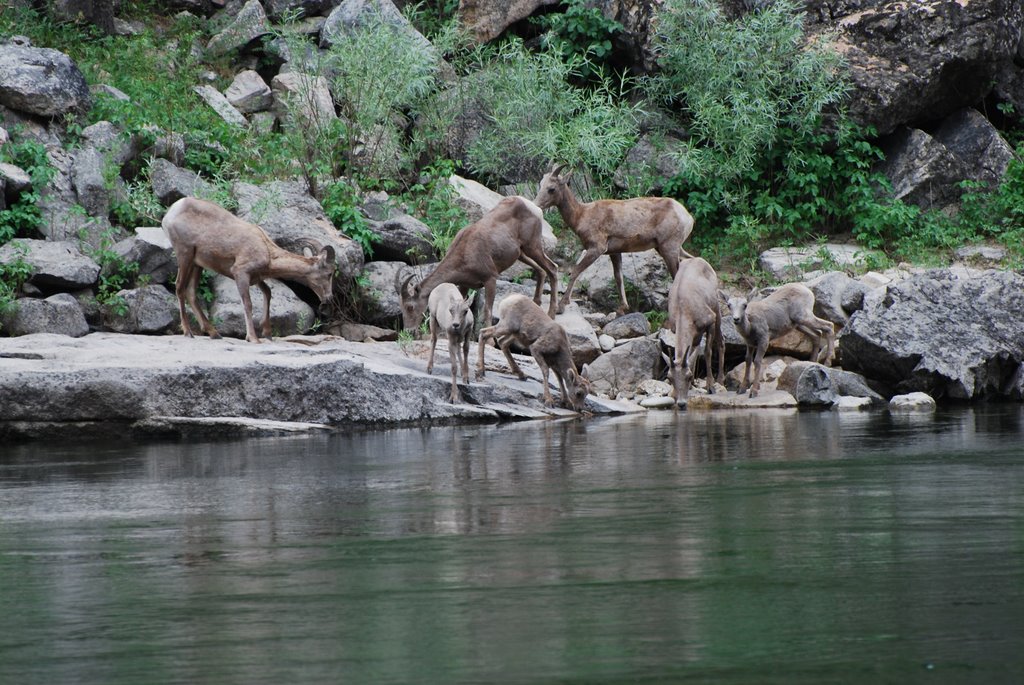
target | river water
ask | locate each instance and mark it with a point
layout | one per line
(761, 547)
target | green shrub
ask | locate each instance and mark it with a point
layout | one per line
(432, 200)
(582, 31)
(23, 218)
(340, 204)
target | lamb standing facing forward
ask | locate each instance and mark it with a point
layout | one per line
(789, 307)
(450, 312)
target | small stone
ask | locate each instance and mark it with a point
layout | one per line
(659, 402)
(606, 342)
(913, 402)
(847, 403)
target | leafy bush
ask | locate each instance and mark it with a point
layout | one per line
(433, 201)
(23, 217)
(582, 31)
(340, 204)
(741, 82)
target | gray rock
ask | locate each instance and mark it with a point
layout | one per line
(351, 13)
(403, 238)
(361, 332)
(582, 338)
(150, 249)
(50, 380)
(477, 199)
(766, 399)
(634, 325)
(991, 254)
(221, 106)
(942, 334)
(55, 265)
(789, 263)
(644, 273)
(982, 152)
(649, 163)
(658, 402)
(249, 24)
(302, 100)
(912, 403)
(620, 370)
(914, 61)
(87, 176)
(288, 314)
(851, 404)
(376, 294)
(922, 170)
(116, 146)
(249, 93)
(15, 178)
(606, 342)
(147, 310)
(817, 385)
(837, 296)
(58, 314)
(104, 90)
(488, 19)
(296, 220)
(41, 81)
(171, 183)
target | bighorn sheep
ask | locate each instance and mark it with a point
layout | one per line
(523, 322)
(450, 312)
(205, 235)
(511, 231)
(789, 307)
(694, 313)
(616, 226)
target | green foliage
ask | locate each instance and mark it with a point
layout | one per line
(12, 276)
(433, 201)
(340, 204)
(581, 31)
(741, 81)
(23, 217)
(115, 274)
(656, 318)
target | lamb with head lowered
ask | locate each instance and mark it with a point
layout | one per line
(205, 235)
(522, 322)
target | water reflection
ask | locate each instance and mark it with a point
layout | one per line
(723, 547)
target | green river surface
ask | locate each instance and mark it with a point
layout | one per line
(731, 547)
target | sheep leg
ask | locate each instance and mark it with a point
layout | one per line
(265, 289)
(709, 337)
(720, 343)
(453, 356)
(185, 267)
(619, 283)
(758, 358)
(543, 265)
(485, 334)
(193, 300)
(539, 358)
(505, 343)
(671, 257)
(746, 369)
(490, 289)
(433, 344)
(465, 356)
(242, 281)
(589, 257)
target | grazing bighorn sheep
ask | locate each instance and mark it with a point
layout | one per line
(205, 235)
(450, 312)
(694, 313)
(616, 226)
(523, 322)
(511, 231)
(790, 306)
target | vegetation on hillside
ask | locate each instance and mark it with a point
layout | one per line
(769, 157)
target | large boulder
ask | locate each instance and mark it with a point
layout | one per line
(488, 19)
(582, 339)
(403, 238)
(171, 183)
(645, 276)
(55, 265)
(937, 332)
(41, 81)
(151, 250)
(289, 315)
(351, 13)
(916, 61)
(249, 24)
(294, 219)
(249, 93)
(973, 140)
(151, 309)
(58, 313)
(625, 367)
(812, 384)
(922, 170)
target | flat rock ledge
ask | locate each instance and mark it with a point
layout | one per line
(58, 386)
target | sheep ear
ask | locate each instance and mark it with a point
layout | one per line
(723, 296)
(752, 294)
